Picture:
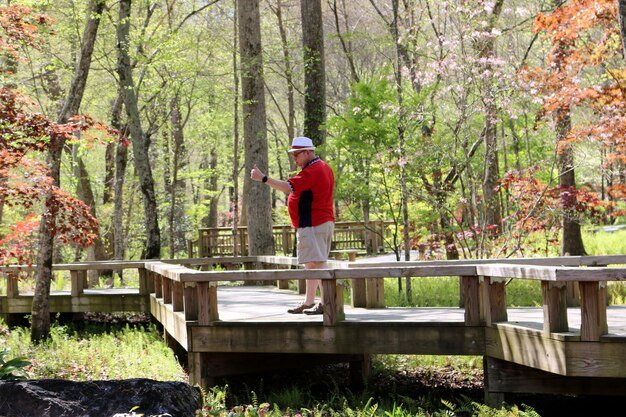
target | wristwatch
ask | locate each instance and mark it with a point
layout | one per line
(264, 178)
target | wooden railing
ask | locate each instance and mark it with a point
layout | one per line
(195, 292)
(219, 241)
(133, 298)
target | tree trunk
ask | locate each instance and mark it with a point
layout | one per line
(234, 201)
(141, 142)
(178, 185)
(291, 109)
(491, 196)
(40, 325)
(212, 187)
(257, 196)
(621, 5)
(97, 252)
(572, 242)
(314, 71)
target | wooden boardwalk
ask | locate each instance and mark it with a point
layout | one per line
(227, 326)
(269, 304)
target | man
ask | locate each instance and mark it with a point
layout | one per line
(311, 210)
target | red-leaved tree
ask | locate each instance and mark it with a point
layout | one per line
(26, 136)
(586, 71)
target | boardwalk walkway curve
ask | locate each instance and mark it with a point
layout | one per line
(227, 328)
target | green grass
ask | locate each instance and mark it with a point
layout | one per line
(94, 354)
(444, 292)
(603, 243)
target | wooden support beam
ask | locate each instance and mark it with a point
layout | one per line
(191, 301)
(332, 300)
(360, 370)
(554, 307)
(166, 284)
(198, 370)
(470, 291)
(77, 279)
(375, 292)
(177, 296)
(593, 312)
(207, 303)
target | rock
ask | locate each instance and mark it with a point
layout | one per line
(130, 397)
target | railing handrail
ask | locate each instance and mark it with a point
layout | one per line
(497, 270)
(597, 260)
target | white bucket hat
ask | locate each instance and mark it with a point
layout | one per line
(301, 144)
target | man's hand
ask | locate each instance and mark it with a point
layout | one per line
(256, 174)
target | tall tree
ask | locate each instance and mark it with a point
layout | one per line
(314, 71)
(140, 141)
(487, 54)
(40, 325)
(257, 197)
(235, 173)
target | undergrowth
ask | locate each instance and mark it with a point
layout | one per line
(92, 354)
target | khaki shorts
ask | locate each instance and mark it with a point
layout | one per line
(314, 242)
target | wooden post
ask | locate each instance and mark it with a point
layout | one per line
(158, 288)
(358, 292)
(573, 295)
(375, 292)
(177, 296)
(191, 301)
(149, 281)
(470, 291)
(77, 279)
(497, 302)
(207, 303)
(604, 302)
(492, 299)
(12, 284)
(283, 284)
(285, 236)
(166, 283)
(332, 300)
(554, 306)
(198, 370)
(143, 281)
(360, 370)
(494, 397)
(593, 312)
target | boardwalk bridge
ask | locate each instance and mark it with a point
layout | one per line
(228, 328)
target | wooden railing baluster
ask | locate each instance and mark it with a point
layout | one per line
(470, 289)
(177, 296)
(554, 306)
(191, 301)
(332, 293)
(77, 279)
(158, 287)
(593, 312)
(166, 283)
(12, 284)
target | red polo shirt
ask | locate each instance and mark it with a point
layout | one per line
(310, 202)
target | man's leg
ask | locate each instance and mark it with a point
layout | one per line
(313, 284)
